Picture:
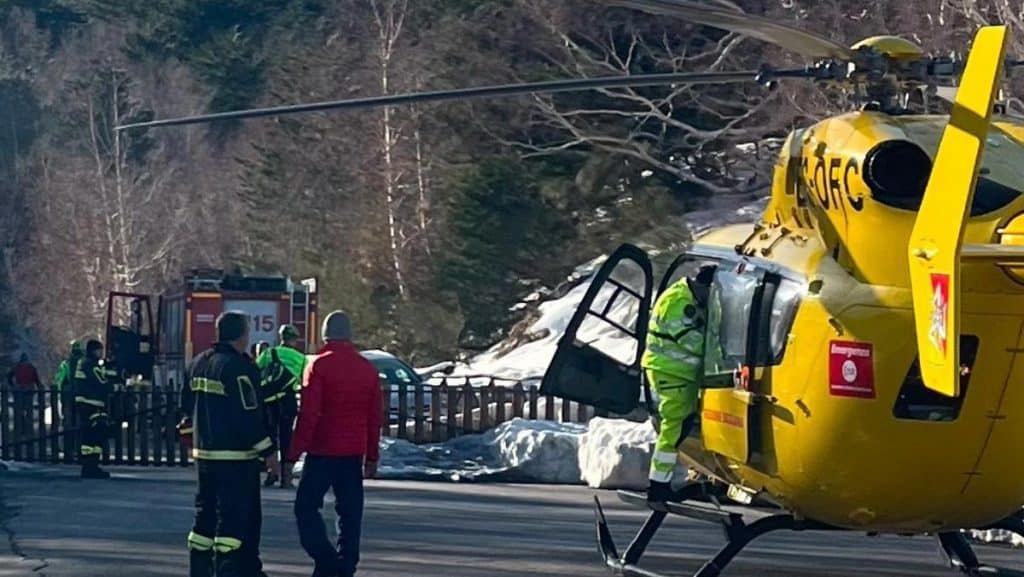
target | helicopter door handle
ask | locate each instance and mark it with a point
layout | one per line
(925, 253)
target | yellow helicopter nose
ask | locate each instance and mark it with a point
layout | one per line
(892, 46)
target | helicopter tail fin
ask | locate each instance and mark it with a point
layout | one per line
(937, 239)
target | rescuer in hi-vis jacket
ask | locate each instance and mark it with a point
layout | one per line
(229, 442)
(673, 363)
(64, 379)
(281, 370)
(92, 383)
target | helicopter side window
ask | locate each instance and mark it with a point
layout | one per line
(728, 322)
(784, 307)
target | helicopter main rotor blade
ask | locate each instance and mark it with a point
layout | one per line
(552, 86)
(785, 36)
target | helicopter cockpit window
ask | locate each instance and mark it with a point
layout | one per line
(728, 320)
(784, 307)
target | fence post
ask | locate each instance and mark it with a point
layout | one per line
(385, 407)
(549, 408)
(435, 414)
(144, 426)
(19, 451)
(517, 400)
(485, 406)
(581, 413)
(566, 411)
(120, 404)
(468, 400)
(451, 427)
(70, 436)
(4, 422)
(499, 405)
(418, 416)
(158, 423)
(132, 419)
(168, 426)
(403, 410)
(533, 402)
(41, 424)
(54, 426)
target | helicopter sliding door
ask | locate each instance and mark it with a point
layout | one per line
(598, 358)
(733, 315)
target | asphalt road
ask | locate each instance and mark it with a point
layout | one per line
(135, 525)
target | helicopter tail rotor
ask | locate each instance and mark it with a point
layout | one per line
(936, 242)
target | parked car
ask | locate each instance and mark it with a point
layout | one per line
(396, 372)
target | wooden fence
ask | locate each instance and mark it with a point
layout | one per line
(34, 427)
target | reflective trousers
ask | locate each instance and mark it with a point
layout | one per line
(92, 425)
(225, 537)
(343, 475)
(677, 406)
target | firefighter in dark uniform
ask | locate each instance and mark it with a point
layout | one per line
(92, 386)
(229, 442)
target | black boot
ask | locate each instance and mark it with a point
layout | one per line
(200, 563)
(660, 492)
(94, 472)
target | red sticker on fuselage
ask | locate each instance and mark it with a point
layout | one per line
(851, 371)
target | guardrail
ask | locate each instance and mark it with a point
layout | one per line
(35, 427)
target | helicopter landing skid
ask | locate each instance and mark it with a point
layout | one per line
(960, 555)
(738, 532)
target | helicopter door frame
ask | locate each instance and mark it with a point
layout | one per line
(582, 373)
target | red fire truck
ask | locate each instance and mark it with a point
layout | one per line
(186, 315)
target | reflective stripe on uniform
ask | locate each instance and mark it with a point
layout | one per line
(97, 415)
(659, 476)
(204, 385)
(91, 402)
(263, 445)
(676, 355)
(197, 542)
(209, 455)
(227, 455)
(673, 325)
(663, 463)
(226, 544)
(662, 457)
(87, 450)
(274, 398)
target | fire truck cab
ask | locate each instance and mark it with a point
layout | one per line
(187, 313)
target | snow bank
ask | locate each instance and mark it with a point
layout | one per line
(616, 454)
(519, 451)
(997, 536)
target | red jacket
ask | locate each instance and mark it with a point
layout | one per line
(342, 407)
(24, 376)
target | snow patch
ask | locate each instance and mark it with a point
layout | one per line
(520, 450)
(616, 454)
(16, 466)
(996, 536)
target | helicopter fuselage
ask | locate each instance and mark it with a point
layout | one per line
(840, 429)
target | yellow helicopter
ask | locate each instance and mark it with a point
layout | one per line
(865, 367)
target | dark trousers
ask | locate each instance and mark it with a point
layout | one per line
(92, 423)
(281, 420)
(229, 516)
(344, 475)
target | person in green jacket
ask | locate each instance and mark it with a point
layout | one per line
(673, 361)
(281, 369)
(65, 373)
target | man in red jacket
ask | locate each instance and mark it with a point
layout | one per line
(338, 428)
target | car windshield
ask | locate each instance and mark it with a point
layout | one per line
(395, 372)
